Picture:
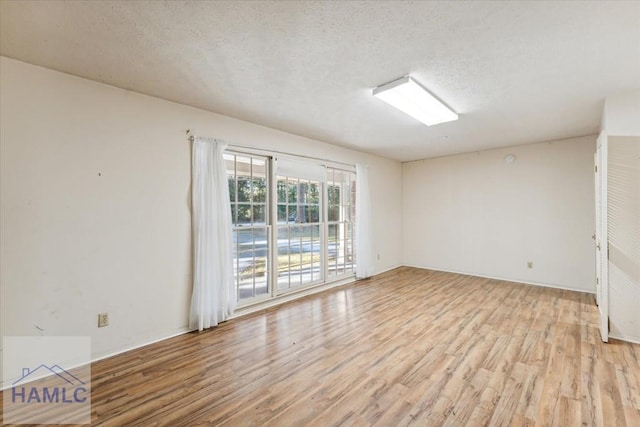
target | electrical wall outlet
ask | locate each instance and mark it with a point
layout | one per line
(103, 320)
(529, 264)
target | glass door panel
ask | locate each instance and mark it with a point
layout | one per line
(299, 232)
(248, 186)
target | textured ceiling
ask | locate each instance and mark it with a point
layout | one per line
(516, 72)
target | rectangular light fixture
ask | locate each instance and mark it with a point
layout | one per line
(408, 96)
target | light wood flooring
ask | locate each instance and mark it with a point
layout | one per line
(409, 346)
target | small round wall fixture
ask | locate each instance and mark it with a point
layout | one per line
(509, 158)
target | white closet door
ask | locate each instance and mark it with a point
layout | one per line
(623, 232)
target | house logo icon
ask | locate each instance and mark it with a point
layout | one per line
(59, 386)
(39, 385)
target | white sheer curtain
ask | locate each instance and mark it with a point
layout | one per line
(363, 237)
(214, 296)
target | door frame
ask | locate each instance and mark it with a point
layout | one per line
(601, 235)
(596, 232)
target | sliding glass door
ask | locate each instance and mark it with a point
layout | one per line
(292, 224)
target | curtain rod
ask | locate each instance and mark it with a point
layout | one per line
(192, 138)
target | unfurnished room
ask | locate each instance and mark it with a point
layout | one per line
(320, 213)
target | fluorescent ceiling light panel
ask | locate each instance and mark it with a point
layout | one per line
(408, 96)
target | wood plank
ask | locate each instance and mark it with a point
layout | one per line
(409, 346)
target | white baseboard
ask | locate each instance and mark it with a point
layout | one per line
(389, 269)
(181, 331)
(505, 279)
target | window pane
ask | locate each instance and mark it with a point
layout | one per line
(283, 241)
(303, 263)
(245, 264)
(293, 213)
(261, 284)
(261, 252)
(233, 214)
(293, 266)
(282, 213)
(259, 190)
(283, 281)
(294, 241)
(334, 195)
(303, 191)
(244, 214)
(251, 261)
(283, 258)
(314, 193)
(261, 244)
(244, 189)
(282, 191)
(333, 232)
(303, 214)
(334, 213)
(232, 188)
(317, 273)
(292, 191)
(259, 214)
(314, 214)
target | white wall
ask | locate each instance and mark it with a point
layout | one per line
(621, 115)
(95, 205)
(476, 214)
